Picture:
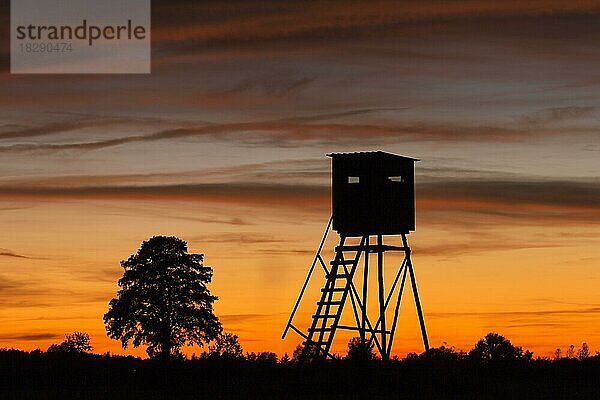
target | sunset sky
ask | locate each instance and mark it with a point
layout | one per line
(224, 146)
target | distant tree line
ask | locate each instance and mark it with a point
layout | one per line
(492, 369)
(493, 349)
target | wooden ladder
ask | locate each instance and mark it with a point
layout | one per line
(333, 297)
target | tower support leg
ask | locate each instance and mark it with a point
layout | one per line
(416, 294)
(363, 327)
(340, 286)
(382, 305)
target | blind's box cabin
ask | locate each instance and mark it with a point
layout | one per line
(373, 193)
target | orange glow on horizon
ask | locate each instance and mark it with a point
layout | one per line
(66, 270)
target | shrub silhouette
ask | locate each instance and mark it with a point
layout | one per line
(163, 302)
(262, 357)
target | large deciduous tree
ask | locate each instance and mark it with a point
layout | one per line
(163, 302)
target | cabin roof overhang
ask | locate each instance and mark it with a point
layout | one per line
(371, 155)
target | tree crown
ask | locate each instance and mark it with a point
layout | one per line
(163, 301)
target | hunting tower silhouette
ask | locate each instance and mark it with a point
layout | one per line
(372, 196)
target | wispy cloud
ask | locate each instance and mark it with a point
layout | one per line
(43, 291)
(538, 325)
(19, 132)
(295, 133)
(235, 221)
(558, 114)
(8, 253)
(476, 245)
(31, 337)
(240, 318)
(263, 21)
(247, 238)
(516, 194)
(278, 252)
(519, 313)
(228, 193)
(498, 196)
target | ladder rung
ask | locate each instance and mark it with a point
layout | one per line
(354, 328)
(330, 303)
(348, 248)
(338, 276)
(342, 262)
(335, 289)
(320, 329)
(328, 316)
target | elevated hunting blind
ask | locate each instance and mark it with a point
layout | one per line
(373, 195)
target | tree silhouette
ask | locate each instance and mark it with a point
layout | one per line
(226, 346)
(163, 302)
(557, 354)
(584, 352)
(359, 351)
(306, 352)
(496, 349)
(444, 354)
(571, 352)
(77, 342)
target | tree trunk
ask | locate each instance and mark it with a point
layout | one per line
(166, 350)
(166, 345)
